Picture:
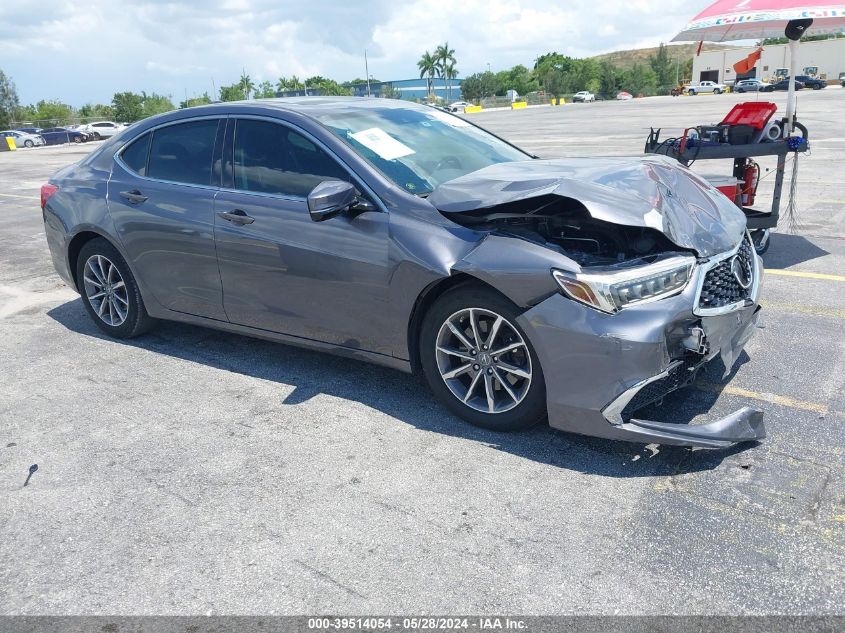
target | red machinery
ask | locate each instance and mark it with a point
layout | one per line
(747, 132)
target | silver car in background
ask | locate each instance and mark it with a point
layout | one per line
(521, 290)
(23, 139)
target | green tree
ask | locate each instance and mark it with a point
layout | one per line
(663, 67)
(156, 104)
(99, 111)
(231, 93)
(451, 73)
(427, 65)
(246, 84)
(265, 90)
(327, 87)
(551, 66)
(128, 106)
(8, 100)
(53, 112)
(478, 86)
(445, 58)
(640, 79)
(203, 99)
(389, 92)
(611, 79)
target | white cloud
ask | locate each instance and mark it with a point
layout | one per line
(81, 52)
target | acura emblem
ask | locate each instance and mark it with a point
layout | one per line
(741, 272)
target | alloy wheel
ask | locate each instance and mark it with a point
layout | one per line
(483, 360)
(106, 290)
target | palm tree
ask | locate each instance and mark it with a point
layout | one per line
(445, 57)
(428, 67)
(281, 84)
(246, 84)
(450, 72)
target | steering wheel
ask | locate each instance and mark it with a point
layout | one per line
(448, 161)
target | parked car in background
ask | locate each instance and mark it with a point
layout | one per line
(705, 87)
(750, 85)
(103, 129)
(28, 130)
(584, 96)
(23, 139)
(783, 84)
(459, 106)
(624, 96)
(523, 290)
(60, 135)
(811, 82)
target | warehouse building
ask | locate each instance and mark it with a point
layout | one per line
(717, 64)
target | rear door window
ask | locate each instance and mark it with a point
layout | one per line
(272, 158)
(183, 152)
(135, 156)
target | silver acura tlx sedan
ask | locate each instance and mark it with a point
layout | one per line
(575, 291)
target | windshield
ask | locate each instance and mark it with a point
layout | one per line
(419, 148)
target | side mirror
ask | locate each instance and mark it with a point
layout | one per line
(330, 198)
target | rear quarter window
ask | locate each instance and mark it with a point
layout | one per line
(135, 156)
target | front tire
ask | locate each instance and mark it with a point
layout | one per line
(478, 362)
(28, 144)
(109, 291)
(717, 91)
(691, 93)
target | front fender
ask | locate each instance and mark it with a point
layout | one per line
(519, 269)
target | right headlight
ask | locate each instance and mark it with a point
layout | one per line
(612, 290)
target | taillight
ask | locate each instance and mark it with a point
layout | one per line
(47, 192)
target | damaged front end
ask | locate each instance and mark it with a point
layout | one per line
(654, 276)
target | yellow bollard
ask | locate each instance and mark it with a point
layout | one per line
(472, 108)
(518, 105)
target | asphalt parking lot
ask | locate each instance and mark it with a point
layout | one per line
(195, 472)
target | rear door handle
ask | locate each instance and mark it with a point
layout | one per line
(134, 196)
(237, 216)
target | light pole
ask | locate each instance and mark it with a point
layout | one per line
(367, 72)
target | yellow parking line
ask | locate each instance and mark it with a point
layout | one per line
(772, 398)
(798, 273)
(13, 195)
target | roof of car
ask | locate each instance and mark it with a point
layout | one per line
(320, 105)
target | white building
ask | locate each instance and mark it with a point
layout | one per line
(717, 65)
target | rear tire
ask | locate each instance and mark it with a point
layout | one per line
(816, 87)
(110, 292)
(470, 380)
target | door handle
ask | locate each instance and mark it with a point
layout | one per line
(236, 216)
(134, 196)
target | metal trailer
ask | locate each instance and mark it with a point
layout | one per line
(759, 222)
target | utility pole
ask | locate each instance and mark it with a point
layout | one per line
(367, 71)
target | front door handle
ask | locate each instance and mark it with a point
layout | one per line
(237, 216)
(134, 196)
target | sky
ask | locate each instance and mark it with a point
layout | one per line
(83, 51)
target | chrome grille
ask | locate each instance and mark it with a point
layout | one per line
(723, 283)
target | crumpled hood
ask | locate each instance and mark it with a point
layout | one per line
(648, 191)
